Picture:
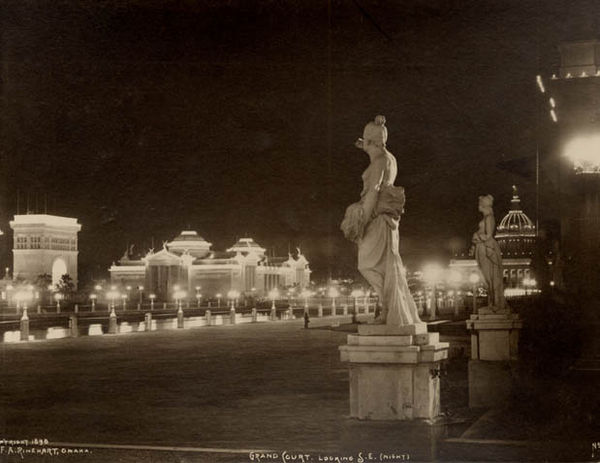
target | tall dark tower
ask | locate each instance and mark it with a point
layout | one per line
(573, 104)
(573, 98)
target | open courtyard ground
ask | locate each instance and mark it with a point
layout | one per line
(216, 394)
(264, 386)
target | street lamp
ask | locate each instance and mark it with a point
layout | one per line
(218, 296)
(141, 291)
(454, 280)
(474, 280)
(112, 295)
(23, 297)
(152, 297)
(58, 297)
(526, 283)
(233, 295)
(93, 299)
(356, 294)
(179, 295)
(333, 293)
(50, 289)
(273, 295)
(198, 299)
(432, 274)
(306, 294)
(124, 298)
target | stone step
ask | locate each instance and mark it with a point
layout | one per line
(385, 330)
(356, 340)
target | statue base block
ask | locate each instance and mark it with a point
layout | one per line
(394, 372)
(494, 352)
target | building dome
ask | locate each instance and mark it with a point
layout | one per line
(189, 241)
(246, 246)
(516, 232)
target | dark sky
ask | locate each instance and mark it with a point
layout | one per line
(143, 118)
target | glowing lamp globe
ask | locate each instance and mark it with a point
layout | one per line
(584, 153)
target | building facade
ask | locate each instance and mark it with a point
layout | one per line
(516, 236)
(188, 262)
(45, 244)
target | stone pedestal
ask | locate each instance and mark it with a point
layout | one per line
(494, 353)
(394, 372)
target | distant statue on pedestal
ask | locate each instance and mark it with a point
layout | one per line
(488, 254)
(372, 223)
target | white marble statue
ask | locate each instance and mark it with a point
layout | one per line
(488, 254)
(373, 224)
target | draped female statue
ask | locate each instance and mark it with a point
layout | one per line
(373, 224)
(488, 254)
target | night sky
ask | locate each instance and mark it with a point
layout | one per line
(237, 118)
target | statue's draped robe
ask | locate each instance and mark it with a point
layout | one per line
(489, 259)
(379, 259)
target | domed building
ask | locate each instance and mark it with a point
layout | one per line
(188, 261)
(516, 235)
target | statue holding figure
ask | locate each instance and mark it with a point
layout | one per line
(488, 254)
(372, 223)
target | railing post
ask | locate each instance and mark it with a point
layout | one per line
(148, 321)
(254, 315)
(112, 322)
(208, 317)
(180, 317)
(320, 310)
(24, 325)
(73, 326)
(232, 316)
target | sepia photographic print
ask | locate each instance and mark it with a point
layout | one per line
(299, 231)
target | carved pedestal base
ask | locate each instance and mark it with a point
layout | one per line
(394, 372)
(494, 351)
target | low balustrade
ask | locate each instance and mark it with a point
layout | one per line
(47, 326)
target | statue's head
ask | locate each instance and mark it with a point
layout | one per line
(374, 136)
(486, 203)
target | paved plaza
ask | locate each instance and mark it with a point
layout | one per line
(269, 386)
(220, 393)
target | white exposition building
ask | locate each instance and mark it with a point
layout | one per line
(44, 244)
(189, 262)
